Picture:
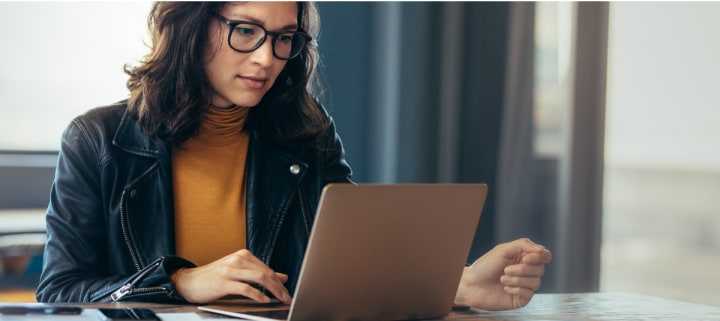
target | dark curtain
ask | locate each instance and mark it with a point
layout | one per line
(417, 92)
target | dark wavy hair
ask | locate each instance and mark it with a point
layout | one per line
(170, 93)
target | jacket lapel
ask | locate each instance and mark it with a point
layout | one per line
(168, 203)
(273, 175)
(130, 138)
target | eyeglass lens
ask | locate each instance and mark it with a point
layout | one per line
(248, 37)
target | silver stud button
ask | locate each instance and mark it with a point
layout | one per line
(295, 169)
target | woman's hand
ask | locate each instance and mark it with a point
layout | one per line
(230, 275)
(504, 278)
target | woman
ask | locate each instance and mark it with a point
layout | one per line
(205, 180)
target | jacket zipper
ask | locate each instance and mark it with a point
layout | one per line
(304, 215)
(127, 288)
(124, 225)
(133, 293)
(124, 219)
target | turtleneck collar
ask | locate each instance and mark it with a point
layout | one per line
(223, 125)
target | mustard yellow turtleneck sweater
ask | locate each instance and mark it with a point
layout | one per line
(209, 187)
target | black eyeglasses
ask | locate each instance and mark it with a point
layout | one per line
(247, 36)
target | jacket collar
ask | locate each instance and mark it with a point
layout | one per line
(130, 138)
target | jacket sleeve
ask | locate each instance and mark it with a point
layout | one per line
(75, 255)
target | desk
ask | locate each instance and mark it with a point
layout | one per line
(545, 307)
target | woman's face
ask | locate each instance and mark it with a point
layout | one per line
(242, 79)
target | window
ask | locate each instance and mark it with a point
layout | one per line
(662, 174)
(59, 60)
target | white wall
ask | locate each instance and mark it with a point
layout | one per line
(664, 85)
(60, 59)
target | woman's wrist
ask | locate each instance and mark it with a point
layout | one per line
(460, 297)
(175, 276)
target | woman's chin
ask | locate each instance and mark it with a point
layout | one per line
(246, 102)
(241, 103)
(240, 98)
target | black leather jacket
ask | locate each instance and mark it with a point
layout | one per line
(110, 217)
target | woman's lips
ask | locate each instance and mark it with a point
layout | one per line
(252, 82)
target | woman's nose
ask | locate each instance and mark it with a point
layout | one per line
(264, 54)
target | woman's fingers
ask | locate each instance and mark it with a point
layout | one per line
(518, 249)
(521, 296)
(248, 256)
(267, 280)
(525, 270)
(540, 257)
(283, 277)
(236, 273)
(243, 266)
(530, 283)
(246, 290)
(244, 259)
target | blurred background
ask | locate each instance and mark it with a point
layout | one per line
(595, 124)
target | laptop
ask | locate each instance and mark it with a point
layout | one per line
(381, 252)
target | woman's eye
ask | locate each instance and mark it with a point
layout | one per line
(245, 31)
(286, 38)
